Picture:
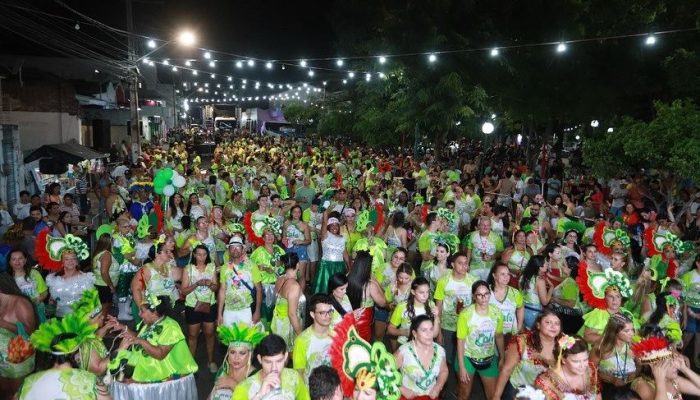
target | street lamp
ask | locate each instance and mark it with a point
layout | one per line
(186, 38)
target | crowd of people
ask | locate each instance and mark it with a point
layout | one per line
(332, 271)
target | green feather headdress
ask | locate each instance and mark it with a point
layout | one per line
(151, 300)
(447, 215)
(88, 305)
(63, 336)
(240, 334)
(450, 240)
(364, 218)
(143, 226)
(575, 226)
(235, 227)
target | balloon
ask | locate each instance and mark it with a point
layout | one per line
(169, 190)
(158, 189)
(179, 181)
(166, 172)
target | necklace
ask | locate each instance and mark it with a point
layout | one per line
(621, 369)
(566, 380)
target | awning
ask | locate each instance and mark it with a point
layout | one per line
(70, 152)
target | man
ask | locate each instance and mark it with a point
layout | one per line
(312, 345)
(81, 188)
(21, 209)
(426, 241)
(70, 207)
(240, 287)
(483, 248)
(273, 380)
(35, 200)
(142, 205)
(40, 224)
(53, 212)
(305, 194)
(324, 384)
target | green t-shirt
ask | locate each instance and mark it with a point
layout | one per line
(450, 290)
(267, 263)
(310, 351)
(238, 296)
(509, 307)
(33, 285)
(479, 331)
(480, 246)
(402, 320)
(293, 386)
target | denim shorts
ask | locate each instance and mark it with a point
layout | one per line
(300, 251)
(381, 314)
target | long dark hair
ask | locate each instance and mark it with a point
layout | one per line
(335, 281)
(531, 269)
(410, 308)
(535, 335)
(660, 310)
(172, 205)
(490, 279)
(415, 323)
(359, 277)
(27, 267)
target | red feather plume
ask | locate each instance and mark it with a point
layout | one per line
(672, 268)
(380, 217)
(337, 354)
(649, 241)
(338, 180)
(586, 292)
(248, 224)
(424, 212)
(42, 253)
(159, 214)
(598, 239)
(652, 343)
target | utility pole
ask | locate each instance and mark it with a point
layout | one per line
(133, 84)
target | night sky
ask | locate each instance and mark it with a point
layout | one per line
(261, 29)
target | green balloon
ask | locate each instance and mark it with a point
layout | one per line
(167, 173)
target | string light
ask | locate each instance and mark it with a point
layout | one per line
(311, 72)
(351, 74)
(194, 73)
(152, 44)
(268, 65)
(382, 59)
(212, 64)
(166, 62)
(213, 76)
(188, 63)
(432, 58)
(368, 77)
(207, 55)
(251, 63)
(174, 69)
(339, 62)
(229, 79)
(561, 47)
(494, 52)
(302, 63)
(650, 40)
(239, 64)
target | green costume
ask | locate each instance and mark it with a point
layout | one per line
(292, 386)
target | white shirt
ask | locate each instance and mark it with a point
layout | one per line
(21, 211)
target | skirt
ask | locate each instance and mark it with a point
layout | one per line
(364, 324)
(324, 272)
(184, 388)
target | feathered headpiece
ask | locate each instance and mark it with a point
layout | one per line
(256, 229)
(143, 227)
(151, 300)
(604, 238)
(104, 228)
(661, 240)
(574, 226)
(447, 215)
(450, 240)
(50, 249)
(240, 334)
(88, 305)
(63, 336)
(235, 227)
(652, 350)
(362, 365)
(594, 284)
(657, 267)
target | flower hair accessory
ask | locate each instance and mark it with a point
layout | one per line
(49, 250)
(652, 350)
(151, 300)
(160, 240)
(566, 342)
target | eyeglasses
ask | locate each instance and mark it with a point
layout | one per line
(482, 295)
(326, 313)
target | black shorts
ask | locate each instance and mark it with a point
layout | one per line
(106, 296)
(193, 318)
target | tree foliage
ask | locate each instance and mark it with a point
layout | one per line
(669, 142)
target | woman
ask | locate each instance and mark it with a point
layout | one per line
(364, 293)
(395, 234)
(668, 315)
(570, 241)
(53, 194)
(421, 362)
(534, 288)
(613, 355)
(155, 361)
(335, 256)
(17, 317)
(63, 225)
(555, 260)
(202, 235)
(661, 379)
(438, 266)
(200, 285)
(297, 236)
(154, 277)
(517, 256)
(267, 258)
(218, 230)
(479, 342)
(594, 322)
(574, 375)
(418, 303)
(565, 298)
(507, 299)
(347, 230)
(67, 285)
(337, 288)
(28, 280)
(195, 210)
(691, 289)
(61, 341)
(106, 271)
(240, 340)
(175, 212)
(528, 355)
(452, 295)
(287, 319)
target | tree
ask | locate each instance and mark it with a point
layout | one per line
(669, 143)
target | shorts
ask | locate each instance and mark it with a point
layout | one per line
(193, 317)
(105, 294)
(381, 314)
(693, 325)
(490, 372)
(233, 317)
(300, 251)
